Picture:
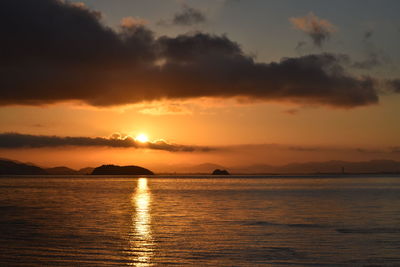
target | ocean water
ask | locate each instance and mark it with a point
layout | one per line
(200, 221)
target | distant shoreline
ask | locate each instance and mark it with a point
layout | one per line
(208, 176)
(329, 168)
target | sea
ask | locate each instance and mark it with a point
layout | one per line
(200, 221)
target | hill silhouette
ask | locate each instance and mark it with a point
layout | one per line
(87, 170)
(121, 170)
(61, 171)
(17, 168)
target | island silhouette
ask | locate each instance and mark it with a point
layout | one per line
(220, 172)
(121, 170)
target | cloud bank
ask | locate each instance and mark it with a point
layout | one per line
(62, 52)
(17, 140)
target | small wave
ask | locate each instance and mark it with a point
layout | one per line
(261, 223)
(379, 230)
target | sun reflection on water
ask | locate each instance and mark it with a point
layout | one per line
(141, 240)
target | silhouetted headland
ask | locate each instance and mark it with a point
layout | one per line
(121, 170)
(220, 172)
(17, 168)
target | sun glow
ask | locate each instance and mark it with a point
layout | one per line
(142, 138)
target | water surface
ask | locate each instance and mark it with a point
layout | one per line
(240, 221)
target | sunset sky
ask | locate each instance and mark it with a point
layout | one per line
(225, 81)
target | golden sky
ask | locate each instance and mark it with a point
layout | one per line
(197, 84)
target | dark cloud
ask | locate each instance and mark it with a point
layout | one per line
(394, 85)
(372, 60)
(16, 140)
(374, 57)
(311, 149)
(189, 16)
(319, 30)
(57, 52)
(308, 148)
(117, 140)
(368, 34)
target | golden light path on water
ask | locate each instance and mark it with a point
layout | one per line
(141, 240)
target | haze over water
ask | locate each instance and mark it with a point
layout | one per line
(201, 221)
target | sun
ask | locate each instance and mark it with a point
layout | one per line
(142, 138)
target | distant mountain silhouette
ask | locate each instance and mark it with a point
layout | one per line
(13, 167)
(68, 171)
(220, 172)
(334, 166)
(16, 168)
(121, 170)
(61, 171)
(204, 168)
(87, 170)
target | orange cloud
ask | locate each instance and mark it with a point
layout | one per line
(129, 22)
